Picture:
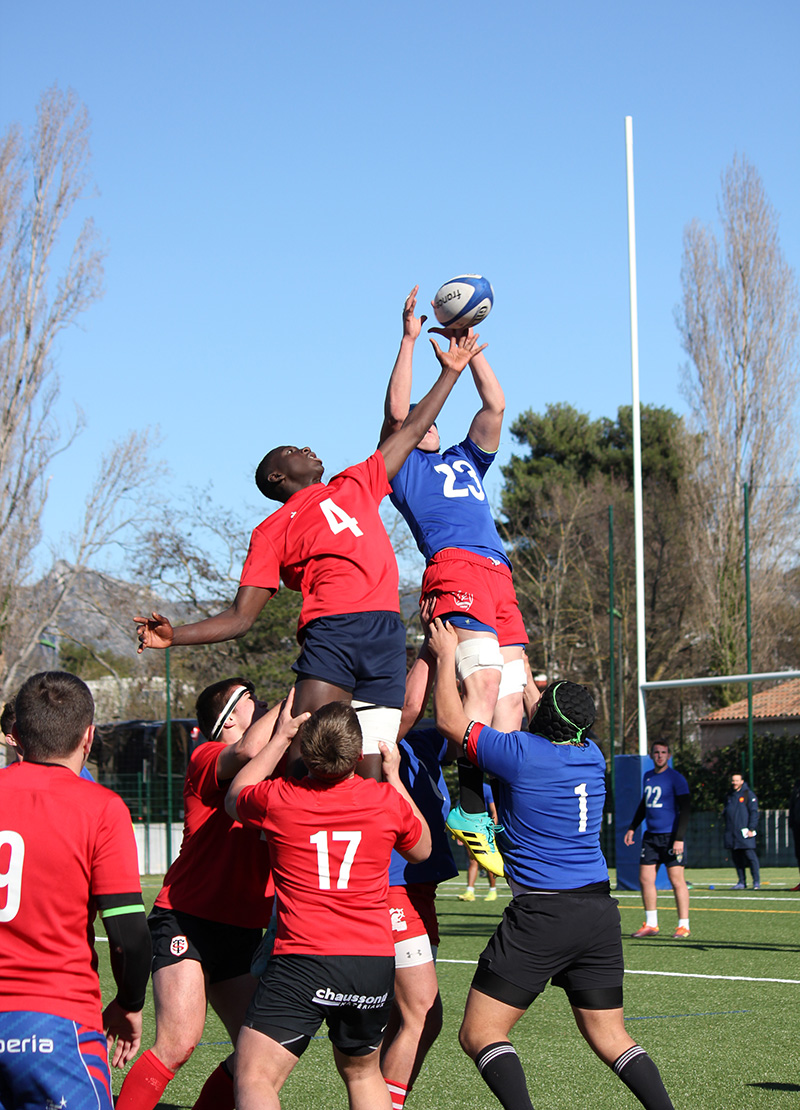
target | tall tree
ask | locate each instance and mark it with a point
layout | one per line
(738, 322)
(41, 183)
(555, 502)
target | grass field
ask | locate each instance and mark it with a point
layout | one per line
(718, 1012)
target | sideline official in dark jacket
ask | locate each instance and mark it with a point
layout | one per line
(741, 826)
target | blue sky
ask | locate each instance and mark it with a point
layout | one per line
(273, 179)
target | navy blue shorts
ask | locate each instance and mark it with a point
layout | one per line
(364, 653)
(51, 1061)
(657, 848)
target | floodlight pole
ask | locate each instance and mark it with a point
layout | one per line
(641, 655)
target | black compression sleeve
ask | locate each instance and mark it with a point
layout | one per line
(130, 947)
(684, 809)
(638, 816)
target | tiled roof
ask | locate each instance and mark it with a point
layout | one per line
(776, 704)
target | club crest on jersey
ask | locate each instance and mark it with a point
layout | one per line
(178, 945)
(399, 923)
(463, 599)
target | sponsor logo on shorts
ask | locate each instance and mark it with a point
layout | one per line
(399, 923)
(26, 1044)
(178, 945)
(50, 1105)
(327, 997)
(463, 599)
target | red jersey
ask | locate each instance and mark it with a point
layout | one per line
(222, 872)
(330, 847)
(329, 543)
(63, 841)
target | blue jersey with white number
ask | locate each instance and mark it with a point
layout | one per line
(549, 800)
(661, 792)
(444, 503)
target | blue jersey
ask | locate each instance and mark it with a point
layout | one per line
(421, 753)
(661, 792)
(444, 503)
(549, 800)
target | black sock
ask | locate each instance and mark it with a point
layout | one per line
(638, 1072)
(502, 1073)
(470, 787)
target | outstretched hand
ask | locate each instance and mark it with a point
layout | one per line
(412, 325)
(153, 632)
(463, 347)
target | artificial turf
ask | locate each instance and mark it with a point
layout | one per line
(717, 1012)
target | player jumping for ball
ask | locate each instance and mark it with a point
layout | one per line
(468, 574)
(329, 543)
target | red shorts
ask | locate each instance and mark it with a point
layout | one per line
(475, 586)
(413, 912)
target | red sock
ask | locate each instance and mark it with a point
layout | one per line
(398, 1091)
(217, 1092)
(144, 1084)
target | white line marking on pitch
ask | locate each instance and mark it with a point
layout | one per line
(673, 974)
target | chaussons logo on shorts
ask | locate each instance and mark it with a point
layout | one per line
(463, 599)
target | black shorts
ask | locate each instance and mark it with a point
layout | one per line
(353, 994)
(364, 653)
(572, 938)
(225, 951)
(657, 848)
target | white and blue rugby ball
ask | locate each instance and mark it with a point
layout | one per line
(463, 301)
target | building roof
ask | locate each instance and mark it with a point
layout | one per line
(779, 703)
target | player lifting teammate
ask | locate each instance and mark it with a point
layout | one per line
(330, 836)
(562, 924)
(328, 542)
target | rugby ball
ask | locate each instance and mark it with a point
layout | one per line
(463, 301)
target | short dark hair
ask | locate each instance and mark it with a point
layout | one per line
(211, 702)
(54, 710)
(263, 471)
(8, 717)
(660, 744)
(331, 741)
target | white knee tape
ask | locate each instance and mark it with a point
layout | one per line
(513, 680)
(378, 722)
(475, 655)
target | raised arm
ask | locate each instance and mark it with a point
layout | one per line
(398, 445)
(487, 423)
(451, 720)
(262, 764)
(156, 631)
(390, 767)
(398, 391)
(234, 756)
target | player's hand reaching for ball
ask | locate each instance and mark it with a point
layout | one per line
(153, 632)
(463, 347)
(412, 325)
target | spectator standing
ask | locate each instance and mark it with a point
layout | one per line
(741, 827)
